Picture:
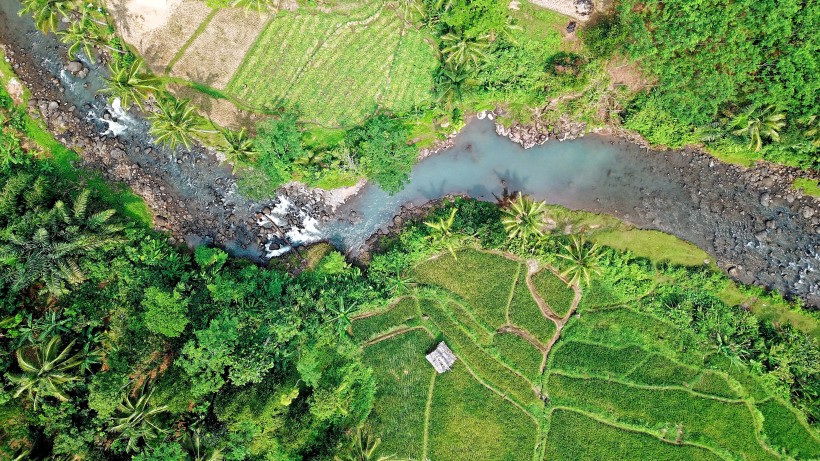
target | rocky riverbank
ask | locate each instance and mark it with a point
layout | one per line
(189, 193)
(760, 230)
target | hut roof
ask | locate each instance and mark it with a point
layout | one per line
(442, 358)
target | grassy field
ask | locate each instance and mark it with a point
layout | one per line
(611, 387)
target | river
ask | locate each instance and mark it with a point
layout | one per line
(756, 228)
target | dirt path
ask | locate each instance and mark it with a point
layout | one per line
(524, 334)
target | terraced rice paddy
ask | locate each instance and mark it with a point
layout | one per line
(337, 63)
(337, 67)
(611, 387)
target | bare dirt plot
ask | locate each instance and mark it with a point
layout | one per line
(158, 28)
(215, 55)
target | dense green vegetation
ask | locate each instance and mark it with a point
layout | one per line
(119, 345)
(654, 363)
(744, 73)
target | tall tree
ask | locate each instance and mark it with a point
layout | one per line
(441, 231)
(239, 148)
(131, 83)
(451, 83)
(49, 254)
(757, 124)
(461, 51)
(48, 13)
(175, 123)
(583, 260)
(363, 446)
(524, 217)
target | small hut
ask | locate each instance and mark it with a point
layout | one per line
(442, 358)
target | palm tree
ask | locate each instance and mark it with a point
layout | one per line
(175, 123)
(583, 260)
(342, 316)
(441, 231)
(758, 124)
(411, 9)
(46, 370)
(192, 443)
(130, 83)
(239, 147)
(47, 13)
(363, 447)
(451, 82)
(50, 254)
(461, 51)
(524, 217)
(136, 420)
(813, 130)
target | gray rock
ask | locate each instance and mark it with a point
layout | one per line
(74, 67)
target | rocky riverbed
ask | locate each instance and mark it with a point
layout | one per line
(758, 228)
(190, 194)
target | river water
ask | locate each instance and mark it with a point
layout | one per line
(718, 207)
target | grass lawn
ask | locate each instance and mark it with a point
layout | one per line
(808, 186)
(573, 436)
(469, 422)
(654, 245)
(722, 426)
(659, 370)
(489, 369)
(401, 395)
(596, 360)
(483, 280)
(519, 354)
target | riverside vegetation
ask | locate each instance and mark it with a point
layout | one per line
(117, 345)
(120, 346)
(635, 66)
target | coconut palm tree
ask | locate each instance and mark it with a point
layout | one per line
(583, 260)
(813, 130)
(47, 369)
(342, 316)
(451, 82)
(192, 443)
(47, 13)
(411, 9)
(441, 231)
(523, 217)
(461, 51)
(175, 123)
(363, 446)
(136, 420)
(130, 83)
(757, 124)
(239, 147)
(49, 255)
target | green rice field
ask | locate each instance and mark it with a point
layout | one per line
(337, 67)
(612, 386)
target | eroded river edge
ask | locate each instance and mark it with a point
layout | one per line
(757, 228)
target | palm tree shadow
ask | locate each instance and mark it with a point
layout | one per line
(511, 181)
